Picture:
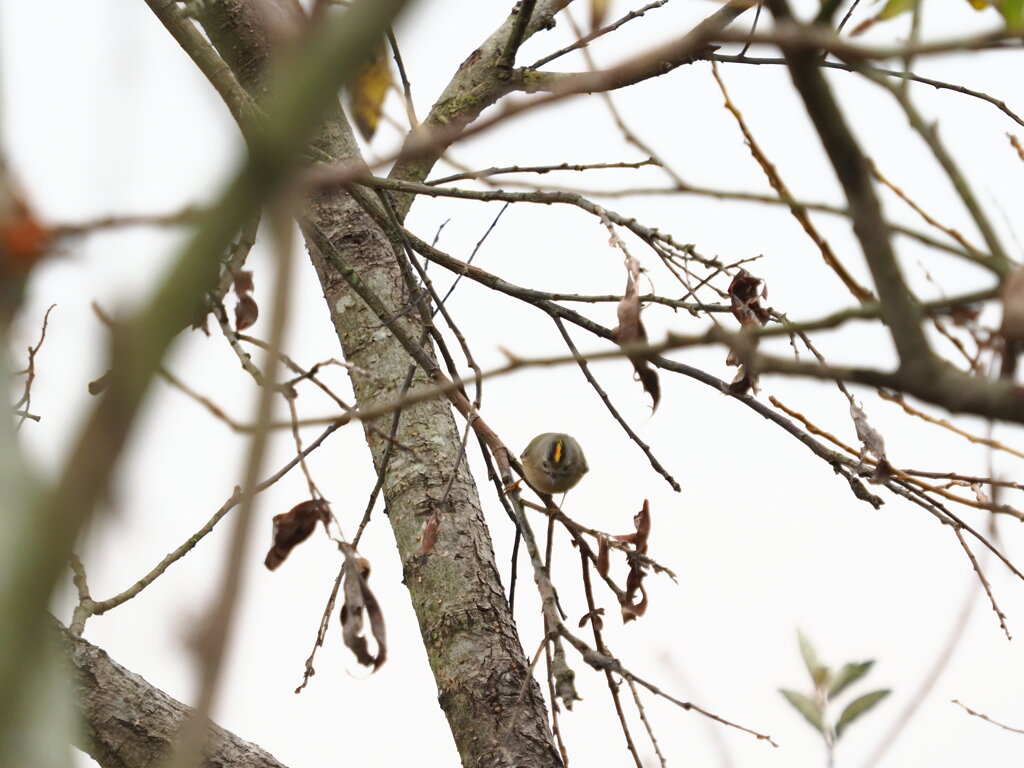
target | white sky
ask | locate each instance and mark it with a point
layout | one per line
(103, 114)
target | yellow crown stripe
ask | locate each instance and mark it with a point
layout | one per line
(556, 452)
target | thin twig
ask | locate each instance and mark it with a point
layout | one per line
(984, 583)
(986, 718)
(22, 408)
(644, 447)
(594, 618)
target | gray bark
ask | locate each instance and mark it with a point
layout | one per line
(129, 723)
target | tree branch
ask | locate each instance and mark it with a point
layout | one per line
(129, 723)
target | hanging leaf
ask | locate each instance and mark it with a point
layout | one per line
(247, 311)
(593, 616)
(631, 609)
(602, 555)
(630, 330)
(359, 598)
(745, 295)
(642, 523)
(859, 707)
(806, 707)
(847, 675)
(243, 282)
(367, 92)
(293, 527)
(871, 438)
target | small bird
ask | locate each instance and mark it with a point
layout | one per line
(554, 462)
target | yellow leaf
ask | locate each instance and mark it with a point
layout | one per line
(366, 94)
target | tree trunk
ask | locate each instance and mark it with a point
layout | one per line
(482, 674)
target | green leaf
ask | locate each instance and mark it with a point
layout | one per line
(818, 671)
(848, 674)
(1013, 12)
(858, 707)
(806, 707)
(894, 8)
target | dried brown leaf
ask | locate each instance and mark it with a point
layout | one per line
(359, 598)
(430, 532)
(246, 312)
(883, 473)
(602, 555)
(630, 330)
(366, 94)
(293, 527)
(634, 581)
(243, 282)
(593, 616)
(745, 295)
(743, 383)
(869, 437)
(642, 522)
(631, 610)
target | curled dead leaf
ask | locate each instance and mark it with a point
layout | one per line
(430, 532)
(743, 382)
(883, 473)
(293, 527)
(642, 522)
(602, 555)
(630, 330)
(593, 616)
(631, 609)
(871, 439)
(745, 295)
(243, 282)
(246, 312)
(359, 599)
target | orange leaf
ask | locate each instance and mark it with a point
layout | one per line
(23, 240)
